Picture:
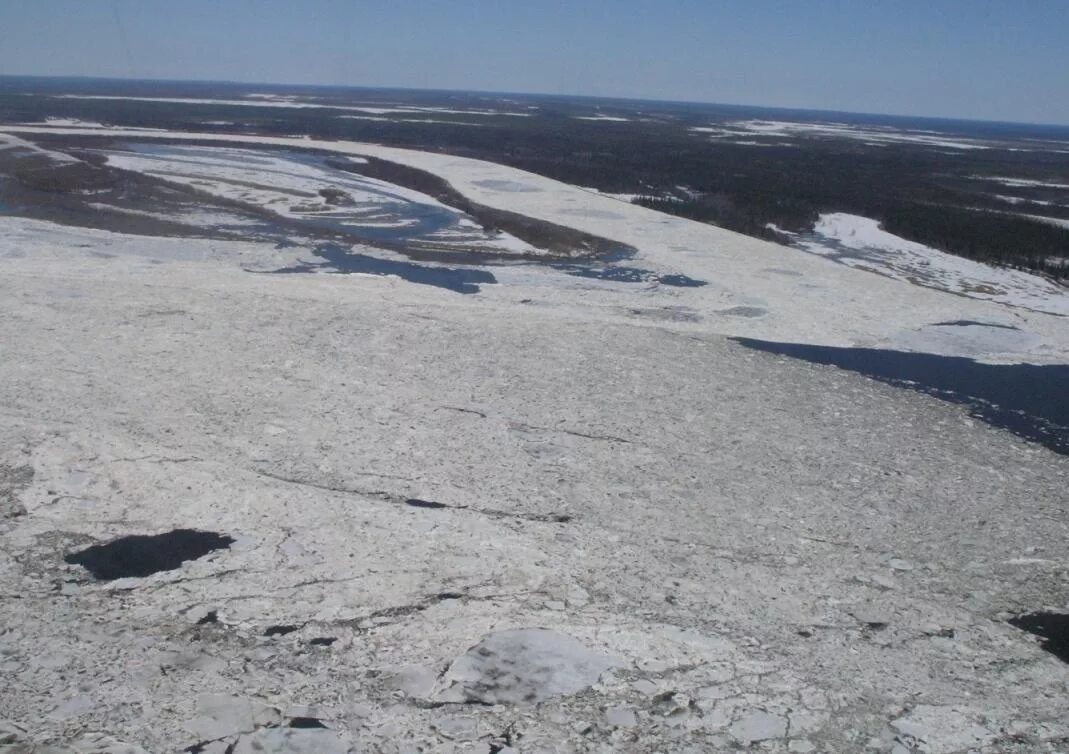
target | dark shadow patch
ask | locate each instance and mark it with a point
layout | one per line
(142, 555)
(305, 722)
(340, 260)
(973, 323)
(1029, 400)
(322, 641)
(280, 630)
(415, 502)
(1052, 628)
(211, 617)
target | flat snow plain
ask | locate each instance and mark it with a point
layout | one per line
(651, 537)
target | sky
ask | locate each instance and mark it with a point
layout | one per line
(985, 59)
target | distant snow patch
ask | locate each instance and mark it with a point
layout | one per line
(871, 135)
(1061, 222)
(1023, 200)
(860, 242)
(1021, 182)
(610, 118)
(50, 121)
(383, 119)
(292, 103)
(7, 141)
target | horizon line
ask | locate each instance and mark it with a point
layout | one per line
(607, 98)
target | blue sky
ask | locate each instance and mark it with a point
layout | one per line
(991, 59)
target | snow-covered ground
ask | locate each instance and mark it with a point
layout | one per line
(860, 242)
(271, 181)
(7, 141)
(192, 215)
(786, 295)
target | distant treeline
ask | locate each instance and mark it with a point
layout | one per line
(988, 236)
